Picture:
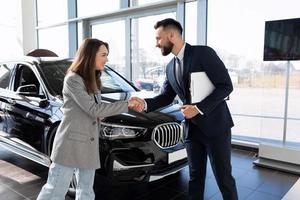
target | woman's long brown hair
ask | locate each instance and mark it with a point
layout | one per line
(84, 64)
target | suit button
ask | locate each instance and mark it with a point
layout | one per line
(92, 139)
(94, 122)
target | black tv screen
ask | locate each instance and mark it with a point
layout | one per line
(282, 40)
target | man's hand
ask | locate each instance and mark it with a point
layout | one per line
(137, 104)
(189, 111)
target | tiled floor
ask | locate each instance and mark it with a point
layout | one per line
(294, 192)
(21, 178)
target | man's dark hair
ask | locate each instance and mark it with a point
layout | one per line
(169, 22)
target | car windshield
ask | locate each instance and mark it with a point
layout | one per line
(54, 73)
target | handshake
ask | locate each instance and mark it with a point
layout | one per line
(137, 104)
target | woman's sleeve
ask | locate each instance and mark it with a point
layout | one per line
(75, 89)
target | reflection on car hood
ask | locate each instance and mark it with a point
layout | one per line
(167, 114)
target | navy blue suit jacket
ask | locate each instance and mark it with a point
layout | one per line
(216, 118)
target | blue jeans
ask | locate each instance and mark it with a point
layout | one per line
(58, 182)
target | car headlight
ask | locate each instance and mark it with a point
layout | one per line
(114, 131)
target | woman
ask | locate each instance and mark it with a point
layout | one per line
(76, 145)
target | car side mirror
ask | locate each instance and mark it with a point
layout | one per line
(27, 90)
(44, 103)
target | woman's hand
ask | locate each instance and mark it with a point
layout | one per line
(137, 104)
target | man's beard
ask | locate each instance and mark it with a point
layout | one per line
(166, 50)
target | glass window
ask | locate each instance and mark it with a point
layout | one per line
(191, 23)
(5, 74)
(142, 2)
(114, 34)
(94, 7)
(10, 40)
(54, 72)
(112, 82)
(55, 39)
(26, 77)
(293, 120)
(51, 11)
(236, 32)
(79, 33)
(148, 64)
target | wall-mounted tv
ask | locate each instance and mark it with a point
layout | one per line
(282, 40)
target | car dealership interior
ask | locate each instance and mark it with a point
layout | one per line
(143, 154)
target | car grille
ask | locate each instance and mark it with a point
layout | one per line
(167, 135)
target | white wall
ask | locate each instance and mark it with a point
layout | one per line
(27, 24)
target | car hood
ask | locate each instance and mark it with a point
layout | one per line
(166, 114)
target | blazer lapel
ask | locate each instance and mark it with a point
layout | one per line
(187, 59)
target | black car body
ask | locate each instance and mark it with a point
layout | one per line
(134, 147)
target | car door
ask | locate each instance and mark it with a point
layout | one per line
(5, 76)
(27, 109)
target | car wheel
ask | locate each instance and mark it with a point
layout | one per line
(73, 183)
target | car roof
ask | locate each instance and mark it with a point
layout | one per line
(31, 59)
(53, 59)
(37, 56)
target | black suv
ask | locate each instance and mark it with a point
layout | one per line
(134, 147)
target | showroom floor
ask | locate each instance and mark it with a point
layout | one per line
(21, 178)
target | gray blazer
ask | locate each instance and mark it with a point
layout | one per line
(76, 143)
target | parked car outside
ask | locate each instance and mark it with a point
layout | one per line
(147, 84)
(134, 147)
(153, 81)
(155, 77)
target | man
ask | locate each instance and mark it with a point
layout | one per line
(209, 121)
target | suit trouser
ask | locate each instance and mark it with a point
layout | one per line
(199, 146)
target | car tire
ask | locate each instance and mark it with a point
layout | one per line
(72, 188)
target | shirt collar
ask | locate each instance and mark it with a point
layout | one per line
(181, 53)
